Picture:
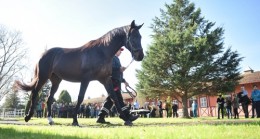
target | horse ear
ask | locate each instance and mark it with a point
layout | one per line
(138, 27)
(133, 24)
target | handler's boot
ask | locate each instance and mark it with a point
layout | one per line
(123, 116)
(128, 123)
(129, 116)
(101, 119)
(132, 117)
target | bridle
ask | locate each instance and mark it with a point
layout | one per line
(129, 44)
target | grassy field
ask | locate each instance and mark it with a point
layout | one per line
(144, 128)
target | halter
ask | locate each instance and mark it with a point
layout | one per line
(128, 41)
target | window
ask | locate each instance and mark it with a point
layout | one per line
(203, 102)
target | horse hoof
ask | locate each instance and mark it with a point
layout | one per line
(27, 118)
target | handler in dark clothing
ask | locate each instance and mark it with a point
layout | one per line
(244, 100)
(117, 79)
(220, 102)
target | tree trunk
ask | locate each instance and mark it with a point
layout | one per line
(185, 106)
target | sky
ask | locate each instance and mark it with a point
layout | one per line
(70, 24)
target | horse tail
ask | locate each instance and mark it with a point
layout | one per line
(28, 87)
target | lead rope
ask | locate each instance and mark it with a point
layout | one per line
(130, 63)
(129, 89)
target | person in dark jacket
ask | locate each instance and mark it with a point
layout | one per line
(117, 79)
(174, 110)
(228, 107)
(160, 108)
(220, 102)
(244, 100)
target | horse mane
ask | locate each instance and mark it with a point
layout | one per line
(106, 38)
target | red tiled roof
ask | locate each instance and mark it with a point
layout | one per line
(95, 100)
(253, 77)
(102, 99)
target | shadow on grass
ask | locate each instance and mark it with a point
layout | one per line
(114, 124)
(9, 133)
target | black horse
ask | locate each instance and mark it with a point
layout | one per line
(92, 61)
(245, 101)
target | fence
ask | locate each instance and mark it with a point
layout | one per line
(8, 113)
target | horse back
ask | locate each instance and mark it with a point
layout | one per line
(75, 64)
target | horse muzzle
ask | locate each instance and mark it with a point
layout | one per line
(138, 55)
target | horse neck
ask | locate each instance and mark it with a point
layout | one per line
(115, 44)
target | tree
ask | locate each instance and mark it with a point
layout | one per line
(12, 100)
(12, 53)
(187, 57)
(64, 97)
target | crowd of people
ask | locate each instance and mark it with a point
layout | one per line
(91, 110)
(162, 108)
(61, 110)
(232, 105)
(65, 110)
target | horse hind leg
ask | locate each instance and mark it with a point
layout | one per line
(55, 81)
(34, 96)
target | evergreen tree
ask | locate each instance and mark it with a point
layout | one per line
(12, 100)
(187, 57)
(64, 97)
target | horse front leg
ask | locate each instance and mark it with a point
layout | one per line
(81, 95)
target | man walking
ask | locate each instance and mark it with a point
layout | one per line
(117, 79)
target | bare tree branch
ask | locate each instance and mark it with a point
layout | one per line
(12, 54)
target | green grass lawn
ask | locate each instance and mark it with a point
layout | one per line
(144, 128)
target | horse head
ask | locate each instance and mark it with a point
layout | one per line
(133, 42)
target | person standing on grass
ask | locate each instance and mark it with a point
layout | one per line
(253, 108)
(235, 104)
(169, 107)
(245, 102)
(229, 107)
(194, 106)
(160, 109)
(53, 109)
(175, 110)
(39, 110)
(220, 102)
(256, 98)
(43, 109)
(136, 105)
